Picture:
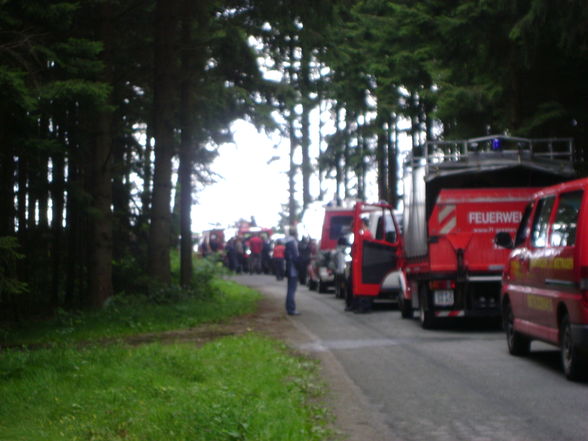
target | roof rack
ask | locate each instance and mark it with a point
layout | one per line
(550, 148)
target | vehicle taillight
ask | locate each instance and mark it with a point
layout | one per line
(584, 284)
(435, 285)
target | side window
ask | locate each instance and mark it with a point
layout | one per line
(390, 229)
(563, 231)
(380, 228)
(522, 230)
(385, 228)
(541, 222)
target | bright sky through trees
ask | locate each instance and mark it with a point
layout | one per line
(249, 183)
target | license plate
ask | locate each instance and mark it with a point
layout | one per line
(444, 297)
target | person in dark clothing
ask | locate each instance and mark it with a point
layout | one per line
(266, 257)
(292, 261)
(304, 260)
(239, 255)
(231, 255)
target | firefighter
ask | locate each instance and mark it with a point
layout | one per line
(256, 247)
(278, 259)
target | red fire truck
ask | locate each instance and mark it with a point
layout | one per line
(321, 271)
(458, 195)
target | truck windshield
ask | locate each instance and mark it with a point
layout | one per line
(340, 225)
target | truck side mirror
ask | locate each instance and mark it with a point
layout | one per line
(504, 240)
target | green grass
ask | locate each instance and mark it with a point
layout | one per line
(129, 315)
(236, 388)
(245, 388)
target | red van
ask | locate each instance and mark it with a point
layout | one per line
(544, 293)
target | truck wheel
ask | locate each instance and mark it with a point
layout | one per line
(517, 343)
(427, 318)
(572, 359)
(322, 287)
(406, 311)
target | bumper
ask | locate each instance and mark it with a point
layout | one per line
(476, 313)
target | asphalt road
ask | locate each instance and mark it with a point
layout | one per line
(455, 383)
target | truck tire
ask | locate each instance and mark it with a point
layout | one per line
(517, 343)
(427, 318)
(322, 287)
(405, 306)
(572, 359)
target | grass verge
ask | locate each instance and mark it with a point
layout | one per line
(234, 388)
(245, 388)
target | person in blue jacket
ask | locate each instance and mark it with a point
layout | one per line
(292, 261)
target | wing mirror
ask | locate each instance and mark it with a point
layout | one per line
(504, 240)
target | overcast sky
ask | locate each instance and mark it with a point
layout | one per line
(249, 183)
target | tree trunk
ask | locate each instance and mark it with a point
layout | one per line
(43, 183)
(31, 201)
(163, 131)
(414, 122)
(21, 214)
(73, 222)
(346, 156)
(121, 185)
(7, 173)
(100, 261)
(392, 141)
(57, 199)
(305, 123)
(361, 167)
(338, 159)
(381, 160)
(147, 174)
(174, 229)
(187, 142)
(321, 138)
(292, 215)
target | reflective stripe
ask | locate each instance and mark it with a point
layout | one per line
(449, 313)
(449, 226)
(447, 215)
(445, 211)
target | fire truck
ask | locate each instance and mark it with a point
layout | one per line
(457, 196)
(336, 223)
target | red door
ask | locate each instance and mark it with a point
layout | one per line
(376, 249)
